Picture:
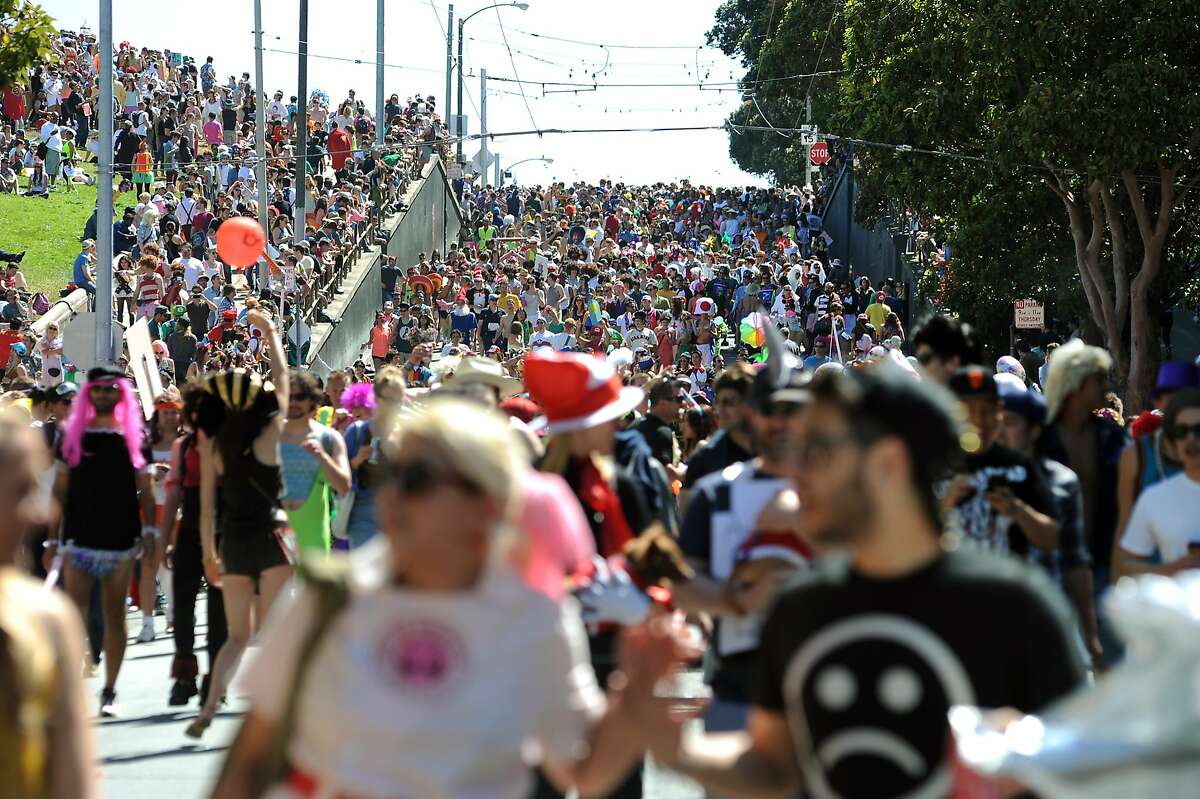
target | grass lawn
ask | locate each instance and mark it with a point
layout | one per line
(49, 231)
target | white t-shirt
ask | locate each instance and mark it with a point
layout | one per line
(1165, 519)
(193, 268)
(430, 694)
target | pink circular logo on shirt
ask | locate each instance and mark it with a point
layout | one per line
(421, 656)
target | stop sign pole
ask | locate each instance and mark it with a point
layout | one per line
(808, 135)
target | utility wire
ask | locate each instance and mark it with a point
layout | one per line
(733, 84)
(513, 63)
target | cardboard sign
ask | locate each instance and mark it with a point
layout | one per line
(144, 366)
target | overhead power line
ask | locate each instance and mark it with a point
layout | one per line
(733, 85)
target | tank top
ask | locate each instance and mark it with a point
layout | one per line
(105, 478)
(250, 491)
(147, 290)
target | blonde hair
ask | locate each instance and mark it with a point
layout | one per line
(1070, 365)
(478, 443)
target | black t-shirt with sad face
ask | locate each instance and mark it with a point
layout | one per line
(866, 669)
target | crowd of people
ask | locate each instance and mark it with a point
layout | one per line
(184, 162)
(613, 433)
(643, 483)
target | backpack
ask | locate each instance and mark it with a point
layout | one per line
(40, 303)
(330, 581)
(199, 241)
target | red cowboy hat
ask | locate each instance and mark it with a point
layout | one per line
(576, 391)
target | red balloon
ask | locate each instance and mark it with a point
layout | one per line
(240, 241)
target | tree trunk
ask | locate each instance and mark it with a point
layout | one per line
(1086, 219)
(1144, 344)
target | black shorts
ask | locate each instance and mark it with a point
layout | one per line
(251, 554)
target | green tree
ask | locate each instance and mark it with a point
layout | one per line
(25, 34)
(1091, 104)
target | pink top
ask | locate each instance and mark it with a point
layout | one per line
(557, 541)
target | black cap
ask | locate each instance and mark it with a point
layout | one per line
(887, 400)
(781, 379)
(104, 373)
(973, 381)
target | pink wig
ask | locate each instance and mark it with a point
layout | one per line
(128, 414)
(359, 395)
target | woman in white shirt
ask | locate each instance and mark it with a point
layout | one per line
(445, 675)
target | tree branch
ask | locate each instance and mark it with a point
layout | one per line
(1139, 204)
(1116, 229)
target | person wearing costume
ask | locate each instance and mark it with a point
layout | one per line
(240, 424)
(102, 466)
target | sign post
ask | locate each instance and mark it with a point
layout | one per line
(808, 135)
(1029, 315)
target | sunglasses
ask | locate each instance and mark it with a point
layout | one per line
(422, 476)
(108, 389)
(1181, 431)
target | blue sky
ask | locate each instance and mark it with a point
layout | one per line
(416, 47)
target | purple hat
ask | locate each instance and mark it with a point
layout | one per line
(1176, 375)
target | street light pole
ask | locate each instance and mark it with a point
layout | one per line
(483, 142)
(447, 100)
(301, 123)
(260, 138)
(462, 24)
(541, 158)
(379, 117)
(104, 194)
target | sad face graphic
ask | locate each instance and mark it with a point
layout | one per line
(869, 697)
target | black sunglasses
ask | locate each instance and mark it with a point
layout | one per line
(1181, 431)
(422, 476)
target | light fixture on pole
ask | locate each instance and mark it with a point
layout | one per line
(509, 168)
(459, 130)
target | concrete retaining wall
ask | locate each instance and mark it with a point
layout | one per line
(431, 221)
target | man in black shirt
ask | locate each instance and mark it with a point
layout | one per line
(489, 323)
(388, 275)
(861, 659)
(405, 327)
(1000, 500)
(734, 442)
(657, 426)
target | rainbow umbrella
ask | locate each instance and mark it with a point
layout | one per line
(754, 330)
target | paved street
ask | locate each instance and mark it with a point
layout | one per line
(145, 755)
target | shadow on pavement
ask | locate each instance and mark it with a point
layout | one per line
(183, 714)
(183, 749)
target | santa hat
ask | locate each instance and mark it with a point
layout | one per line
(576, 391)
(785, 546)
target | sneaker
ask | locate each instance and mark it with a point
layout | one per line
(147, 633)
(89, 667)
(108, 703)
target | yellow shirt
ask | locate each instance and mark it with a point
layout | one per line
(877, 314)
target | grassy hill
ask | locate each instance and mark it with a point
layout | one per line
(48, 230)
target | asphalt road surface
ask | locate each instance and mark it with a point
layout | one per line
(145, 755)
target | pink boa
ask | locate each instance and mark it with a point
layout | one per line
(128, 414)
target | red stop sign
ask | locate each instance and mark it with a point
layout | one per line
(819, 153)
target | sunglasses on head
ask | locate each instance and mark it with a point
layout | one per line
(422, 475)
